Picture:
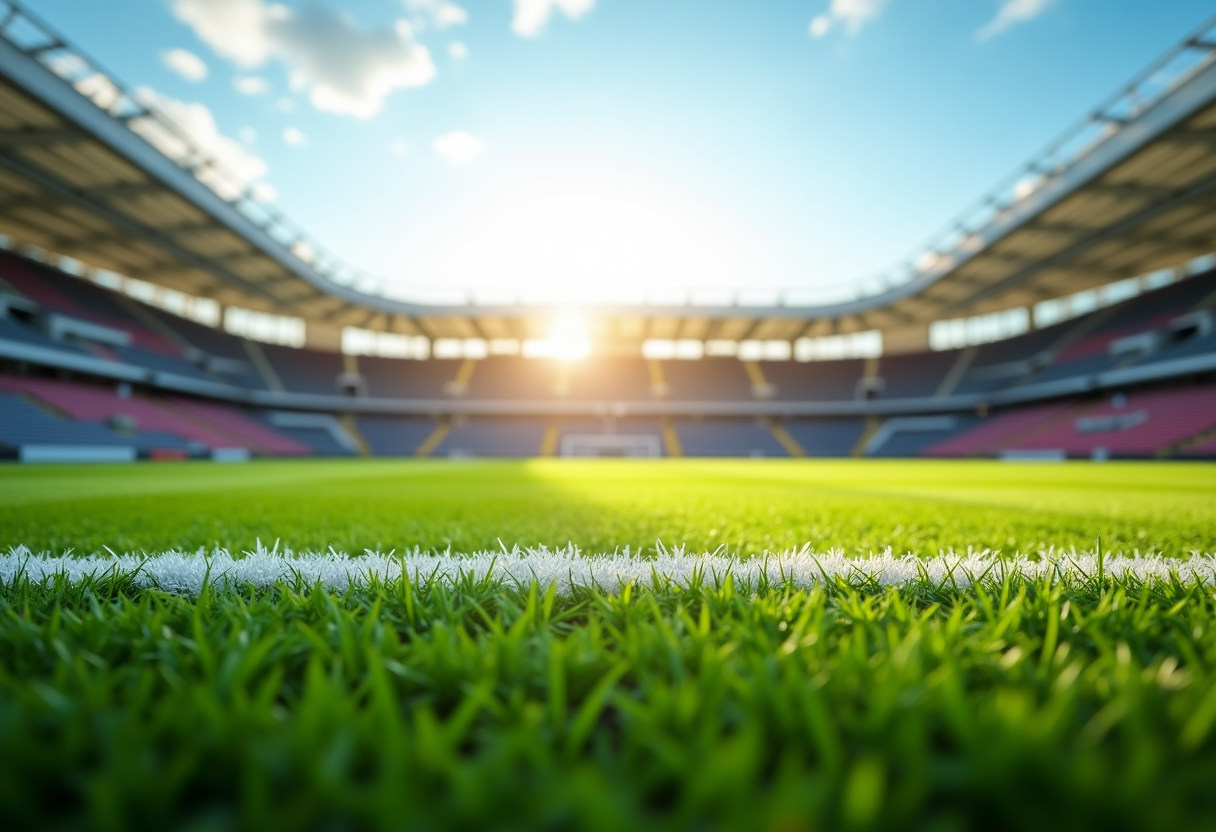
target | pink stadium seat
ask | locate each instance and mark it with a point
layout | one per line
(990, 434)
(98, 404)
(1157, 419)
(239, 425)
(77, 298)
(1099, 343)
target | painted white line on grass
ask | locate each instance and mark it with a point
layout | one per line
(186, 573)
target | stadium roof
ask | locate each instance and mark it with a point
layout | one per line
(90, 172)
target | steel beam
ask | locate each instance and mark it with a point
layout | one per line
(1119, 229)
(128, 225)
(22, 138)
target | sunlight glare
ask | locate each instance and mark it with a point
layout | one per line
(568, 341)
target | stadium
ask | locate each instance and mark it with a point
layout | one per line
(292, 546)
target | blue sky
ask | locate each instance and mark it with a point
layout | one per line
(570, 148)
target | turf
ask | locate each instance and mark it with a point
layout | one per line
(1078, 698)
(746, 506)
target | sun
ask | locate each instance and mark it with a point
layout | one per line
(569, 341)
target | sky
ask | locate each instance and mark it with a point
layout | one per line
(613, 149)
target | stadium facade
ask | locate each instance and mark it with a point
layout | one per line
(151, 305)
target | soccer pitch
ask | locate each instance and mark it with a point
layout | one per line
(466, 677)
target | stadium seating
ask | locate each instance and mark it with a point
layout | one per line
(726, 437)
(395, 378)
(1005, 363)
(100, 412)
(25, 333)
(505, 437)
(705, 380)
(224, 356)
(814, 381)
(319, 442)
(918, 375)
(825, 437)
(78, 318)
(395, 435)
(305, 371)
(1138, 425)
(102, 405)
(503, 377)
(998, 430)
(248, 432)
(606, 379)
(24, 423)
(62, 293)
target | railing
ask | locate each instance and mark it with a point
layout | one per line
(35, 38)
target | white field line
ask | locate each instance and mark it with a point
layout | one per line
(186, 573)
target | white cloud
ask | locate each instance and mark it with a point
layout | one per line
(344, 70)
(250, 84)
(532, 15)
(458, 147)
(248, 135)
(294, 137)
(398, 148)
(236, 29)
(438, 13)
(458, 50)
(264, 192)
(1011, 13)
(851, 14)
(235, 168)
(186, 64)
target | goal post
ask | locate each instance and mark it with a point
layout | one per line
(611, 445)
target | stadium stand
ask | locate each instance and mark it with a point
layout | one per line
(321, 440)
(57, 292)
(1141, 424)
(19, 330)
(90, 403)
(907, 443)
(1006, 363)
(707, 379)
(826, 437)
(726, 437)
(1137, 425)
(305, 371)
(45, 410)
(397, 378)
(22, 422)
(813, 381)
(66, 315)
(1000, 430)
(247, 432)
(222, 357)
(918, 375)
(605, 378)
(505, 377)
(396, 435)
(501, 437)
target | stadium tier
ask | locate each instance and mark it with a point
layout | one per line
(84, 366)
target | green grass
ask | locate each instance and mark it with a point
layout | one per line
(1083, 704)
(749, 506)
